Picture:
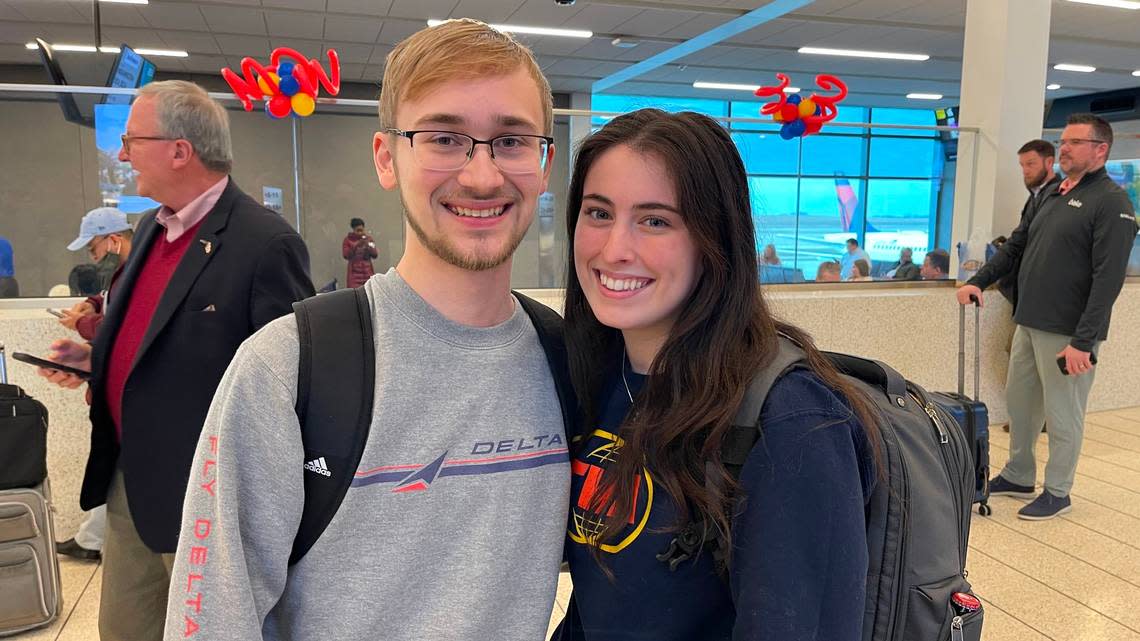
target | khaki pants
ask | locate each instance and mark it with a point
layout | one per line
(132, 605)
(1037, 393)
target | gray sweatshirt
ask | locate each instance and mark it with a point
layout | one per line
(468, 551)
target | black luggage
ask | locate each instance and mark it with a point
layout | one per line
(29, 568)
(970, 413)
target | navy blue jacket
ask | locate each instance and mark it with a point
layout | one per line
(799, 562)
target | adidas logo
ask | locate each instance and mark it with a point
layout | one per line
(318, 465)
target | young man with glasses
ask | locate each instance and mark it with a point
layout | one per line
(453, 525)
(1073, 254)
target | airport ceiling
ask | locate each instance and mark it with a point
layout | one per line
(218, 33)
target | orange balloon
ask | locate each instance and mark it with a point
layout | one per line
(264, 86)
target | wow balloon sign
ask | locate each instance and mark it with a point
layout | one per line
(288, 87)
(803, 116)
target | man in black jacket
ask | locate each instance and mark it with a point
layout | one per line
(1073, 254)
(1036, 158)
(210, 267)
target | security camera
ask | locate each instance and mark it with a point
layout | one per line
(564, 3)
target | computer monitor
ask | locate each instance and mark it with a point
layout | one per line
(948, 117)
(130, 70)
(71, 112)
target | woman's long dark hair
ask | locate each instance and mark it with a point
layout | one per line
(723, 336)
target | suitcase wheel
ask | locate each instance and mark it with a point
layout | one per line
(985, 510)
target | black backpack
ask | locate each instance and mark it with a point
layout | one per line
(918, 521)
(335, 409)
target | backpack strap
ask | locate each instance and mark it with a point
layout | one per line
(335, 386)
(745, 430)
(734, 451)
(548, 324)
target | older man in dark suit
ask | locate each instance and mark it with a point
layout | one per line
(210, 267)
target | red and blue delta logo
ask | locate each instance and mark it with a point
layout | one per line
(484, 457)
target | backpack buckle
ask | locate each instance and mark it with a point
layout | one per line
(683, 547)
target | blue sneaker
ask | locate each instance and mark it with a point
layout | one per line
(1001, 487)
(1045, 507)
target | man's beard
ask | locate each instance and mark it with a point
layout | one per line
(446, 252)
(1037, 180)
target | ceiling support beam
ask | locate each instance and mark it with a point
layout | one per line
(746, 22)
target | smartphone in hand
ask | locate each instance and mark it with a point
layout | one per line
(1065, 370)
(52, 365)
(54, 312)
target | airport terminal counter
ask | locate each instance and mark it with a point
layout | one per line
(913, 327)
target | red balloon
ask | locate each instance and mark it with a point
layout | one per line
(280, 106)
(814, 127)
(790, 112)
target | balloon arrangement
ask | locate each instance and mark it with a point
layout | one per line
(288, 87)
(803, 116)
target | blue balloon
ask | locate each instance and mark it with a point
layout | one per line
(289, 85)
(786, 131)
(795, 128)
(818, 110)
(794, 99)
(285, 69)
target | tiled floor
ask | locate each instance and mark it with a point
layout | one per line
(1075, 578)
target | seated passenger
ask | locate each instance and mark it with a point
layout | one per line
(936, 266)
(860, 270)
(828, 272)
(662, 297)
(769, 257)
(905, 269)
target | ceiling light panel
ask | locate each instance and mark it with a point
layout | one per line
(859, 53)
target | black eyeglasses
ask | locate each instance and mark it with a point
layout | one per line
(126, 140)
(451, 151)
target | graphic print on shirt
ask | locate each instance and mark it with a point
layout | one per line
(600, 450)
(482, 457)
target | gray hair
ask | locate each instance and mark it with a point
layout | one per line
(185, 111)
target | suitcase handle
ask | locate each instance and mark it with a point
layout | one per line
(962, 347)
(3, 366)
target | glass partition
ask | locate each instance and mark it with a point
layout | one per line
(885, 182)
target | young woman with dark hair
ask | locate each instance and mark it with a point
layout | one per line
(666, 327)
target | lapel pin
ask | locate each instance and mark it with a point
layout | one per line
(209, 246)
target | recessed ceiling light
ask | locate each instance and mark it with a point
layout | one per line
(1136, 73)
(734, 87)
(924, 96)
(1118, 4)
(1064, 66)
(856, 53)
(89, 49)
(1053, 87)
(537, 31)
(624, 43)
(127, 1)
(172, 53)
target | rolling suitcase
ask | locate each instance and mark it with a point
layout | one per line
(970, 413)
(29, 568)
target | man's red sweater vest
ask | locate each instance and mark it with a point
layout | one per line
(161, 261)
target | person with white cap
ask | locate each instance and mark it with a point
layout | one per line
(106, 235)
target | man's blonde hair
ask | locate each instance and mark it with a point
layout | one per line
(456, 50)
